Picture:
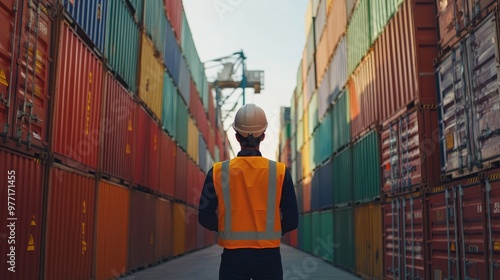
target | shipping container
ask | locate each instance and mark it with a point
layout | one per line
(142, 230)
(122, 30)
(451, 20)
(468, 94)
(203, 154)
(191, 220)
(69, 237)
(169, 110)
(172, 55)
(320, 21)
(181, 175)
(368, 240)
(316, 233)
(408, 58)
(365, 168)
(173, 10)
(341, 122)
(343, 238)
(141, 139)
(151, 77)
(112, 230)
(155, 24)
(91, 17)
(342, 178)
(492, 209)
(380, 14)
(184, 81)
(25, 67)
(305, 228)
(326, 179)
(358, 35)
(326, 242)
(315, 191)
(404, 227)
(152, 168)
(350, 4)
(22, 187)
(181, 134)
(164, 229)
(168, 160)
(194, 186)
(307, 193)
(179, 230)
(117, 130)
(193, 138)
(405, 138)
(78, 102)
(480, 9)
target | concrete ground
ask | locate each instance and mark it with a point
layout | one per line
(204, 264)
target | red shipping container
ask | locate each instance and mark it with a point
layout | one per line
(168, 160)
(112, 232)
(142, 230)
(191, 220)
(493, 222)
(404, 237)
(118, 130)
(181, 175)
(164, 229)
(405, 138)
(451, 22)
(22, 188)
(173, 9)
(480, 9)
(77, 109)
(69, 240)
(25, 67)
(153, 160)
(139, 150)
(191, 182)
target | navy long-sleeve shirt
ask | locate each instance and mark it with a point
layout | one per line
(207, 215)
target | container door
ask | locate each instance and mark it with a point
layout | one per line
(493, 226)
(392, 244)
(413, 234)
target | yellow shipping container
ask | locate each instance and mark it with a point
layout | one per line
(306, 158)
(368, 240)
(151, 77)
(193, 138)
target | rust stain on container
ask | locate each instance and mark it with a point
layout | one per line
(164, 229)
(112, 230)
(70, 225)
(142, 230)
(78, 96)
(21, 188)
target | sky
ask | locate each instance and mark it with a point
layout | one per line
(270, 33)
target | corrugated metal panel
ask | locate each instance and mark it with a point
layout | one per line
(181, 175)
(191, 220)
(369, 240)
(404, 238)
(21, 187)
(315, 192)
(350, 4)
(118, 137)
(451, 22)
(307, 165)
(366, 173)
(493, 219)
(325, 135)
(154, 21)
(308, 18)
(336, 25)
(77, 109)
(141, 138)
(193, 186)
(305, 234)
(313, 113)
(322, 59)
(193, 138)
(152, 168)
(300, 135)
(179, 229)
(326, 172)
(136, 10)
(343, 237)
(320, 20)
(69, 239)
(164, 229)
(151, 78)
(358, 35)
(173, 9)
(381, 12)
(309, 50)
(299, 87)
(181, 134)
(314, 148)
(306, 193)
(169, 110)
(327, 235)
(121, 30)
(91, 16)
(142, 230)
(480, 9)
(341, 123)
(172, 55)
(202, 154)
(338, 70)
(316, 233)
(342, 178)
(310, 86)
(112, 230)
(168, 160)
(299, 194)
(404, 138)
(184, 81)
(413, 65)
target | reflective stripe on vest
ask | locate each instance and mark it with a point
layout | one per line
(271, 208)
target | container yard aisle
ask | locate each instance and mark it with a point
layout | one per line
(204, 264)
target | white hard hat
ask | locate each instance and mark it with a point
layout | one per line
(250, 120)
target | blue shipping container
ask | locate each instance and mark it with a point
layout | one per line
(172, 54)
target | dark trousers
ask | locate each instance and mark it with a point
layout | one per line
(256, 264)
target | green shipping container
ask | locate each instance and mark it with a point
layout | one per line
(342, 178)
(341, 122)
(169, 112)
(136, 6)
(327, 247)
(380, 14)
(325, 138)
(358, 35)
(316, 233)
(182, 123)
(313, 147)
(305, 236)
(155, 23)
(313, 113)
(366, 172)
(192, 58)
(343, 238)
(122, 42)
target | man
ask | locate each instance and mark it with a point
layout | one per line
(256, 204)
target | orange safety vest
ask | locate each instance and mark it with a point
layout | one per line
(249, 193)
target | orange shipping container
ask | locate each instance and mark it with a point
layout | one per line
(113, 204)
(164, 229)
(368, 240)
(142, 229)
(151, 77)
(179, 241)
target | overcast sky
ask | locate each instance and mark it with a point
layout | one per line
(271, 34)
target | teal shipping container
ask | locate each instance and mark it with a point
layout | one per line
(380, 14)
(366, 172)
(313, 113)
(325, 135)
(136, 8)
(358, 35)
(305, 237)
(169, 112)
(182, 124)
(326, 241)
(155, 23)
(343, 238)
(341, 122)
(342, 178)
(122, 43)
(316, 233)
